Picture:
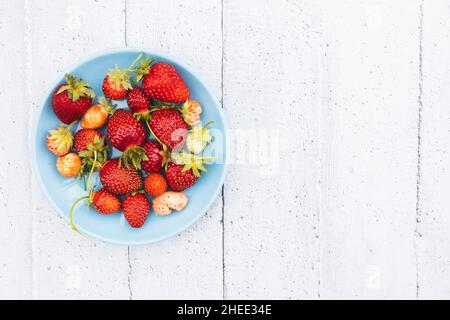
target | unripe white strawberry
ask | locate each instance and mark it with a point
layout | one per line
(191, 112)
(198, 138)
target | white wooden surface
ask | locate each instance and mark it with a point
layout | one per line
(343, 106)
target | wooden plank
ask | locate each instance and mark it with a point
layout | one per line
(65, 264)
(190, 265)
(434, 221)
(15, 229)
(369, 148)
(271, 95)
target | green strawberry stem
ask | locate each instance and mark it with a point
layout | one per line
(71, 125)
(135, 61)
(84, 182)
(72, 224)
(92, 169)
(151, 131)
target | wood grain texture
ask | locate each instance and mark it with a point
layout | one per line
(190, 265)
(66, 264)
(369, 148)
(15, 228)
(434, 220)
(271, 88)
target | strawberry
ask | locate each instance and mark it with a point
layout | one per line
(72, 99)
(127, 134)
(104, 203)
(117, 82)
(165, 84)
(98, 114)
(191, 112)
(155, 184)
(157, 156)
(169, 127)
(69, 165)
(138, 102)
(117, 179)
(198, 138)
(136, 209)
(185, 170)
(85, 136)
(60, 141)
(90, 145)
(179, 180)
(165, 203)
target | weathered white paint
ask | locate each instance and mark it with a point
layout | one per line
(340, 85)
(15, 228)
(369, 149)
(271, 82)
(434, 218)
(190, 265)
(65, 264)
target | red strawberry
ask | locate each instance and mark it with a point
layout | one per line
(72, 99)
(119, 179)
(185, 170)
(98, 114)
(117, 82)
(155, 184)
(105, 202)
(138, 101)
(136, 209)
(169, 127)
(179, 180)
(127, 134)
(157, 157)
(165, 84)
(84, 137)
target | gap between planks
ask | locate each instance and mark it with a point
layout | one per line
(417, 234)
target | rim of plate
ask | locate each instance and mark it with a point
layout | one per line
(191, 70)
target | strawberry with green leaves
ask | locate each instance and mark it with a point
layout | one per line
(91, 147)
(185, 170)
(117, 82)
(103, 202)
(127, 134)
(158, 157)
(98, 114)
(84, 137)
(72, 99)
(60, 140)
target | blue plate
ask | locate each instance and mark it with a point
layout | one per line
(63, 192)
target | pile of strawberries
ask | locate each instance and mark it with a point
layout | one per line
(160, 137)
